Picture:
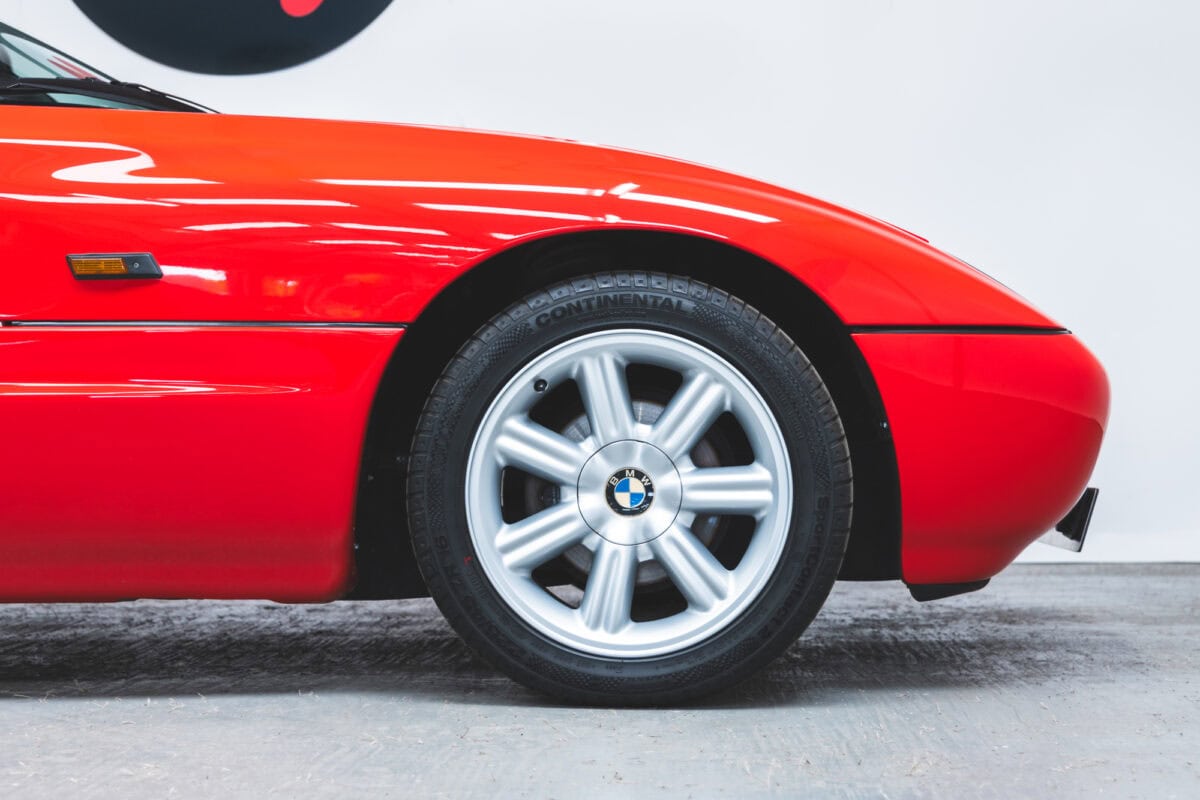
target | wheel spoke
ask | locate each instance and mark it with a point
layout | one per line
(533, 541)
(730, 490)
(689, 415)
(605, 394)
(516, 451)
(700, 578)
(538, 450)
(608, 598)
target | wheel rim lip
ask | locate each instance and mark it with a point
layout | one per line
(560, 623)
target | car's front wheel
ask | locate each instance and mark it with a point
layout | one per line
(629, 488)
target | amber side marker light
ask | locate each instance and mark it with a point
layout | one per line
(115, 265)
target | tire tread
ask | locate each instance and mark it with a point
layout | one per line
(458, 606)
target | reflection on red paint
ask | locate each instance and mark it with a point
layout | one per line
(300, 8)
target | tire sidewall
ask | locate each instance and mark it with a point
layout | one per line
(734, 331)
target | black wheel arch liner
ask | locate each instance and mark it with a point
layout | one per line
(384, 564)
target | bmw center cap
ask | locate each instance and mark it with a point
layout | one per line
(629, 491)
(622, 502)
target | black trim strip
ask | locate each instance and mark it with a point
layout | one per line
(194, 324)
(924, 592)
(1014, 330)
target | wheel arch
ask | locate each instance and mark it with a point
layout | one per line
(385, 566)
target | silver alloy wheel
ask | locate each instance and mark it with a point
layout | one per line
(629, 493)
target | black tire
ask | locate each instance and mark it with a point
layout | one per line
(727, 326)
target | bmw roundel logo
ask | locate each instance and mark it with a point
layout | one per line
(629, 491)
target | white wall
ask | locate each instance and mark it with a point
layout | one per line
(1054, 144)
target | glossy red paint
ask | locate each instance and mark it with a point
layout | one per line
(309, 220)
(996, 437)
(182, 461)
(216, 462)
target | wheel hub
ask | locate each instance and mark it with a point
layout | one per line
(629, 505)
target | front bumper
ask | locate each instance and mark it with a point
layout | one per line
(996, 435)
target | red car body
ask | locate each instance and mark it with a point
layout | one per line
(203, 435)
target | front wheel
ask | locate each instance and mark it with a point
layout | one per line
(629, 488)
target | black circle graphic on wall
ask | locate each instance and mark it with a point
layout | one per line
(232, 37)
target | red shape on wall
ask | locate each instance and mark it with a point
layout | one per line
(300, 8)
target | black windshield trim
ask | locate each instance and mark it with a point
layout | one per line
(23, 35)
(131, 93)
(103, 87)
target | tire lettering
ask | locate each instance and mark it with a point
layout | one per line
(614, 300)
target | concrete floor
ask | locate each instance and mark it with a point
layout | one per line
(1054, 681)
